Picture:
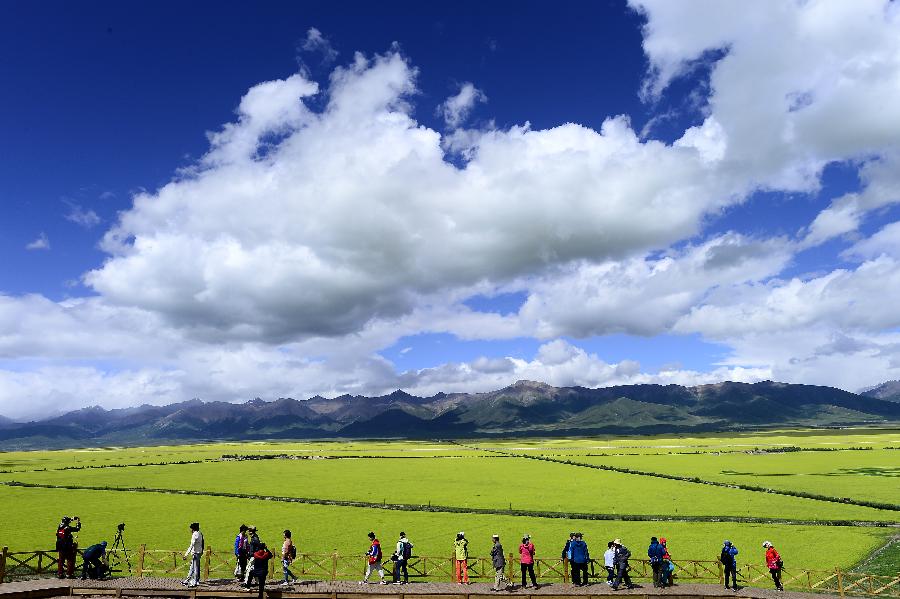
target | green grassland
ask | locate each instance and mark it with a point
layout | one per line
(870, 475)
(470, 476)
(482, 482)
(160, 521)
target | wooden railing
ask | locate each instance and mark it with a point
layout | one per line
(333, 566)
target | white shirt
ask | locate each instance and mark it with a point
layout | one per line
(609, 558)
(196, 545)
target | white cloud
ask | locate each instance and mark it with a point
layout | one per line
(41, 243)
(316, 42)
(353, 214)
(81, 217)
(455, 109)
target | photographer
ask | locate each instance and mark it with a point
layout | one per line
(94, 562)
(66, 546)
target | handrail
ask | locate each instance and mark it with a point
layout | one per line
(333, 566)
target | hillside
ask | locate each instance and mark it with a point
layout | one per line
(524, 409)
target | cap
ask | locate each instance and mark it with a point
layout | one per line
(662, 540)
(727, 542)
(618, 541)
(495, 536)
(767, 544)
(462, 534)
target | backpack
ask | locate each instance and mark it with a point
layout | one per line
(407, 550)
(292, 552)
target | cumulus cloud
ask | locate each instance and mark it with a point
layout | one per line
(42, 242)
(352, 213)
(455, 109)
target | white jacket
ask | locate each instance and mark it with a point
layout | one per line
(609, 558)
(196, 545)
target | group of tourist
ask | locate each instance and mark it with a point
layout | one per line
(252, 559)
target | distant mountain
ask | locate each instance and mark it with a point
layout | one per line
(889, 391)
(526, 408)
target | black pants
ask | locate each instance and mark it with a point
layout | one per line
(732, 570)
(579, 573)
(92, 568)
(776, 577)
(400, 566)
(656, 566)
(610, 573)
(261, 576)
(529, 568)
(622, 575)
(242, 563)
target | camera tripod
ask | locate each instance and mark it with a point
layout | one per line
(115, 560)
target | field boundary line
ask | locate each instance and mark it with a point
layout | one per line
(696, 480)
(466, 510)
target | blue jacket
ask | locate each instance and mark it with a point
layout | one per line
(567, 551)
(727, 556)
(579, 551)
(237, 544)
(655, 552)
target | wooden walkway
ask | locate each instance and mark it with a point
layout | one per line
(223, 589)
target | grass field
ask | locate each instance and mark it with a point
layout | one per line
(446, 474)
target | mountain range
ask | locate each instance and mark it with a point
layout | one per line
(525, 408)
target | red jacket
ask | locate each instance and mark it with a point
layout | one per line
(772, 558)
(526, 553)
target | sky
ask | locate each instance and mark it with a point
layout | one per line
(279, 199)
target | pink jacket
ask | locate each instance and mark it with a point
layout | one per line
(526, 553)
(772, 558)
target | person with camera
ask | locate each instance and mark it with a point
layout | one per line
(253, 544)
(729, 563)
(66, 546)
(94, 558)
(621, 560)
(580, 557)
(194, 551)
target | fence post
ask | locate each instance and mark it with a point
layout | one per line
(566, 569)
(509, 567)
(206, 563)
(3, 564)
(721, 573)
(840, 576)
(272, 568)
(334, 566)
(141, 550)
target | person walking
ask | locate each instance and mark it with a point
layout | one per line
(288, 555)
(253, 544)
(241, 551)
(66, 546)
(373, 560)
(195, 552)
(261, 558)
(621, 560)
(498, 561)
(579, 560)
(774, 564)
(402, 554)
(461, 558)
(655, 553)
(668, 568)
(729, 563)
(526, 561)
(609, 562)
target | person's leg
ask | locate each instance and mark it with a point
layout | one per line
(405, 571)
(465, 569)
(262, 585)
(248, 572)
(380, 572)
(625, 577)
(531, 574)
(523, 567)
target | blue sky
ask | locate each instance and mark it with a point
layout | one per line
(230, 200)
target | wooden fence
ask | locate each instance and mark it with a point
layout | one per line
(332, 567)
